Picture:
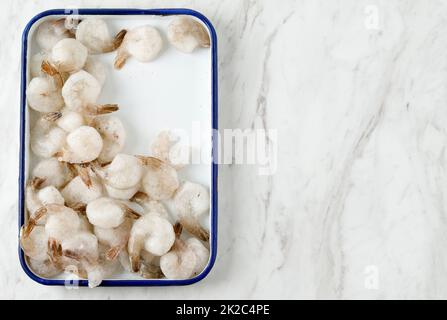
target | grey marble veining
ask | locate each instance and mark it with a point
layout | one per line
(357, 91)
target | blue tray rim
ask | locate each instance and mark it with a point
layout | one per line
(214, 121)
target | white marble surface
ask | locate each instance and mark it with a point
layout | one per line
(357, 208)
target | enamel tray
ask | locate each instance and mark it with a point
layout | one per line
(175, 91)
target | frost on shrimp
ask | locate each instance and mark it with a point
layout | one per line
(114, 238)
(36, 198)
(83, 248)
(69, 55)
(46, 138)
(34, 245)
(109, 213)
(186, 34)
(201, 252)
(83, 145)
(45, 268)
(52, 172)
(124, 172)
(44, 95)
(50, 32)
(95, 35)
(151, 206)
(180, 262)
(113, 134)
(76, 191)
(191, 201)
(144, 43)
(80, 90)
(151, 233)
(160, 180)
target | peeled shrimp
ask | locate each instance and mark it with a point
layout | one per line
(35, 198)
(44, 95)
(50, 32)
(201, 252)
(83, 248)
(150, 205)
(46, 138)
(52, 172)
(113, 134)
(83, 145)
(109, 213)
(35, 244)
(95, 35)
(115, 238)
(76, 191)
(152, 233)
(96, 68)
(36, 64)
(144, 43)
(191, 201)
(186, 34)
(69, 55)
(160, 179)
(122, 194)
(80, 90)
(124, 172)
(67, 119)
(180, 262)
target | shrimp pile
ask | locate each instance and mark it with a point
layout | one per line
(92, 210)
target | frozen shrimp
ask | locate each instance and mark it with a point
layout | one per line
(52, 172)
(83, 248)
(186, 34)
(124, 172)
(191, 201)
(160, 180)
(51, 32)
(121, 194)
(36, 64)
(66, 119)
(83, 145)
(109, 213)
(201, 252)
(180, 261)
(69, 55)
(95, 35)
(34, 244)
(76, 191)
(46, 138)
(150, 205)
(44, 95)
(113, 134)
(114, 238)
(151, 233)
(80, 90)
(35, 198)
(144, 43)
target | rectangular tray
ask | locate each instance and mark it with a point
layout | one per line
(176, 115)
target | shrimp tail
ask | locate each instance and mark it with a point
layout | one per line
(79, 207)
(36, 182)
(52, 116)
(151, 272)
(32, 222)
(118, 39)
(134, 263)
(130, 213)
(113, 252)
(193, 226)
(52, 71)
(120, 59)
